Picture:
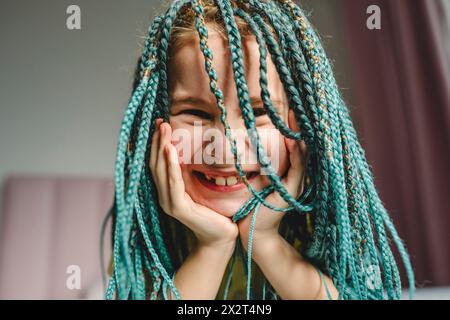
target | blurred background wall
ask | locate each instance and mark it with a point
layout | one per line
(63, 92)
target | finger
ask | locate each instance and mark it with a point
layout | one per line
(176, 185)
(161, 168)
(164, 138)
(293, 121)
(295, 155)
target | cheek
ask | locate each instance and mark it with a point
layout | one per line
(183, 140)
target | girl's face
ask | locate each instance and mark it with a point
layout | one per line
(193, 110)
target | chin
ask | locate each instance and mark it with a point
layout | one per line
(224, 207)
(228, 211)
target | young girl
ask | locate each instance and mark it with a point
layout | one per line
(304, 221)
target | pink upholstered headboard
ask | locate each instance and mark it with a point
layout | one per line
(47, 225)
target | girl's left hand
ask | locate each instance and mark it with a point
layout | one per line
(268, 221)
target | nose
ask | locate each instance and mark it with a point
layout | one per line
(239, 133)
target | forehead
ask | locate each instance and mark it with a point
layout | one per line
(187, 75)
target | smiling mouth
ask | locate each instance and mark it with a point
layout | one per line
(224, 184)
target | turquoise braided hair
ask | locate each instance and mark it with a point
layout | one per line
(350, 238)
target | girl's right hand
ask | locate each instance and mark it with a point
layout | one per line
(210, 228)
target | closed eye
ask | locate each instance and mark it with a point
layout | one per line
(197, 113)
(259, 112)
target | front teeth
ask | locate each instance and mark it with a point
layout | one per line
(222, 181)
(231, 181)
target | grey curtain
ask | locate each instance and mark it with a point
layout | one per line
(402, 90)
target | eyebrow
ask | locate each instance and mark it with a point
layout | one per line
(199, 101)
